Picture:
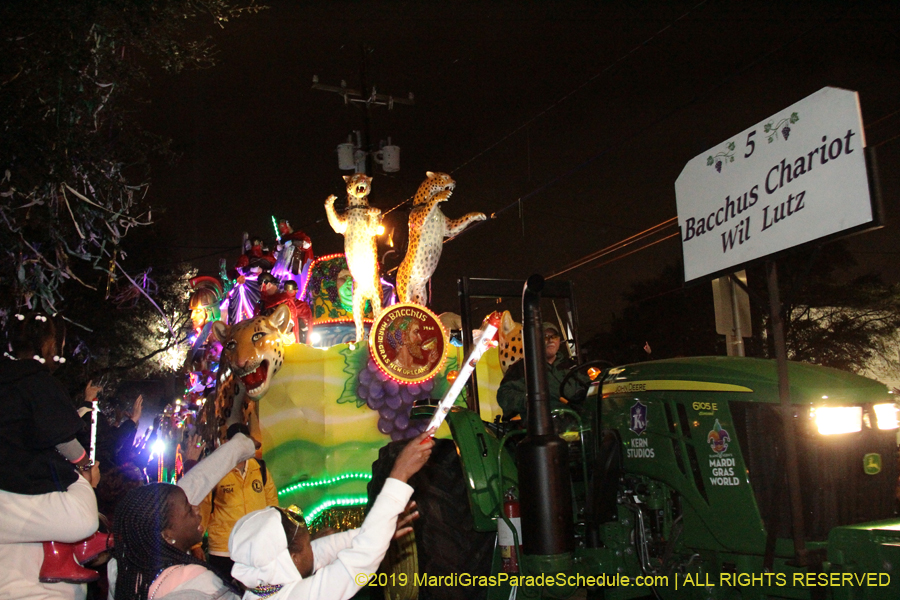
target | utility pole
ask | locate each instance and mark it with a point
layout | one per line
(362, 152)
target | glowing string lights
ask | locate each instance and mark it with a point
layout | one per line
(325, 482)
(342, 502)
(319, 509)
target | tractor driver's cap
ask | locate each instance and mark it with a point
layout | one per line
(547, 326)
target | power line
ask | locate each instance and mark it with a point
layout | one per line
(659, 226)
(561, 100)
(565, 97)
(620, 142)
(644, 247)
(650, 231)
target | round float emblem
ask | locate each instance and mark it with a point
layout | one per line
(408, 343)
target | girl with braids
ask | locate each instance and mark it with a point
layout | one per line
(154, 531)
(44, 496)
(155, 527)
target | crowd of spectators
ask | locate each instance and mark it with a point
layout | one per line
(56, 499)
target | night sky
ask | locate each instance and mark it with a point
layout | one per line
(586, 111)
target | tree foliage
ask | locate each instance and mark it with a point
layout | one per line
(835, 320)
(131, 338)
(74, 169)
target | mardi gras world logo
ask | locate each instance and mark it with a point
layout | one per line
(408, 343)
(718, 439)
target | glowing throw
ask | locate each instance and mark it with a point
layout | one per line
(95, 408)
(490, 330)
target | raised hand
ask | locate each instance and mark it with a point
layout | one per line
(195, 446)
(137, 409)
(413, 456)
(91, 391)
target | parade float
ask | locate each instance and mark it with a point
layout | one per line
(323, 351)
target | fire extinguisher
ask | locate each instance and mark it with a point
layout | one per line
(509, 554)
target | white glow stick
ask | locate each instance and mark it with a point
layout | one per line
(94, 409)
(450, 397)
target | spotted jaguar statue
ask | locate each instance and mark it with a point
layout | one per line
(428, 227)
(359, 226)
(253, 350)
(510, 346)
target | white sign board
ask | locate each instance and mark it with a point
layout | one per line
(798, 176)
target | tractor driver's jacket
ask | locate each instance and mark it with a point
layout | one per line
(512, 391)
(233, 497)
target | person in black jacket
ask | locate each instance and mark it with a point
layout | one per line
(38, 446)
(39, 452)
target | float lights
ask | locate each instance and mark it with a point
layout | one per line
(316, 511)
(832, 420)
(315, 338)
(341, 320)
(303, 485)
(244, 307)
(158, 448)
(380, 230)
(402, 381)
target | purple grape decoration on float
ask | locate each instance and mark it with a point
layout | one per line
(786, 132)
(393, 401)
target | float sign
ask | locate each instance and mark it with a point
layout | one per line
(798, 176)
(408, 343)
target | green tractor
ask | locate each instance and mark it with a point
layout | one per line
(671, 484)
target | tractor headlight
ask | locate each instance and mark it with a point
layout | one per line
(831, 420)
(887, 416)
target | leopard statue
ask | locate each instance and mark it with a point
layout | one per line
(428, 227)
(510, 346)
(359, 226)
(254, 349)
(252, 353)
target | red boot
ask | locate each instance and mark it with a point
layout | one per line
(60, 566)
(91, 547)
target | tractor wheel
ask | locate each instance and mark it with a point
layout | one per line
(444, 541)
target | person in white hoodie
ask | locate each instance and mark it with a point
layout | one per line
(156, 526)
(275, 558)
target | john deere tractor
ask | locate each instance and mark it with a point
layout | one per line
(669, 483)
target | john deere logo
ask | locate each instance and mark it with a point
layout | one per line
(872, 464)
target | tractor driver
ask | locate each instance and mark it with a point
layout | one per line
(512, 390)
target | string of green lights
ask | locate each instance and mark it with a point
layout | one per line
(342, 502)
(326, 481)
